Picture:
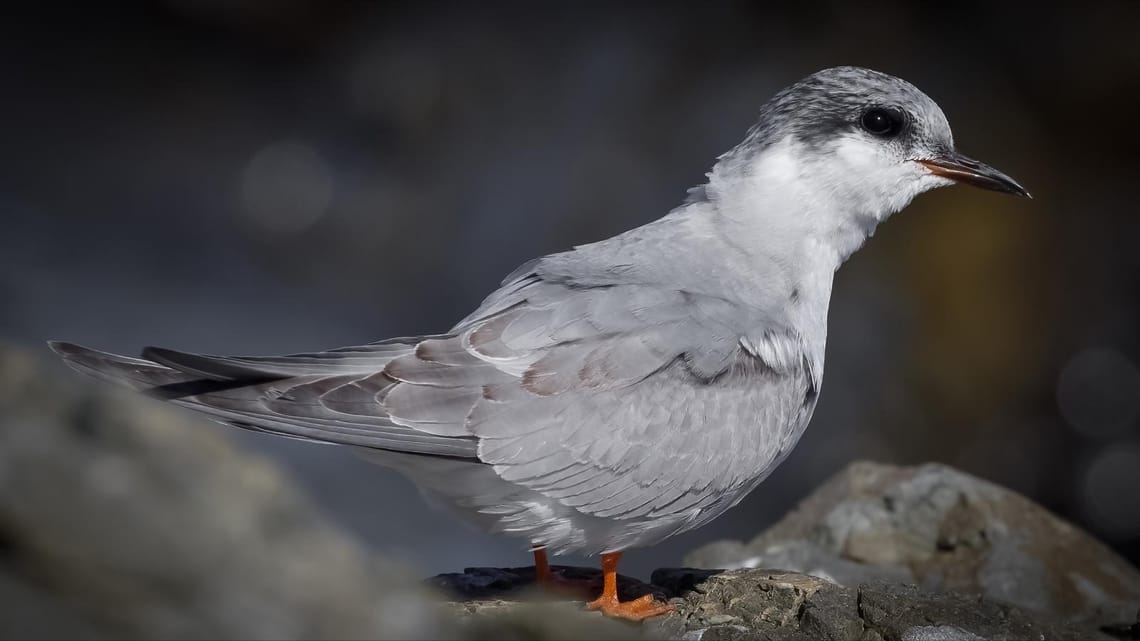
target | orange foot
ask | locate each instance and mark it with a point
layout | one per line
(608, 604)
(635, 610)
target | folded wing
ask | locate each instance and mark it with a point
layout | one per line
(622, 401)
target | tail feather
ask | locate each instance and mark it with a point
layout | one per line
(220, 368)
(242, 392)
(362, 359)
(135, 373)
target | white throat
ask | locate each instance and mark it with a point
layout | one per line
(799, 213)
(813, 206)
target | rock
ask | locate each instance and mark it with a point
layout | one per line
(500, 619)
(126, 518)
(482, 584)
(767, 604)
(122, 517)
(947, 532)
(784, 606)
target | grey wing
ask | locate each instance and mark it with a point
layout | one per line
(618, 400)
(623, 401)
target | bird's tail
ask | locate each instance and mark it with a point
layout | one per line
(135, 373)
(328, 397)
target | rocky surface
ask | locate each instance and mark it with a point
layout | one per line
(124, 518)
(945, 531)
(775, 605)
(480, 584)
(121, 517)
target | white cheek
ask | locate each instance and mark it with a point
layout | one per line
(859, 156)
(903, 182)
(878, 180)
(780, 165)
(866, 172)
(858, 173)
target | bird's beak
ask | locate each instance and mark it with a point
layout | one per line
(959, 168)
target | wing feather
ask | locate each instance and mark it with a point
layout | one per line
(622, 401)
(234, 392)
(656, 408)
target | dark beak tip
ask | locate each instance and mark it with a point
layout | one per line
(962, 169)
(1019, 191)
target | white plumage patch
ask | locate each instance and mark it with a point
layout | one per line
(781, 353)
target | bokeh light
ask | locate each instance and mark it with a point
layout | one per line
(285, 188)
(1098, 392)
(1110, 491)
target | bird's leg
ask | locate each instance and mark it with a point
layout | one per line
(546, 579)
(608, 604)
(542, 574)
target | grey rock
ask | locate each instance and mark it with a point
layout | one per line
(757, 604)
(939, 633)
(948, 532)
(129, 519)
(123, 518)
(827, 615)
(906, 612)
(535, 619)
(677, 581)
(767, 604)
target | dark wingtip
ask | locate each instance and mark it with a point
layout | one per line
(156, 354)
(173, 359)
(64, 348)
(219, 368)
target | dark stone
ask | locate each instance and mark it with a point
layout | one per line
(480, 584)
(1128, 632)
(832, 615)
(906, 612)
(947, 531)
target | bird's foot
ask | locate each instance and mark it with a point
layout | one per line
(635, 610)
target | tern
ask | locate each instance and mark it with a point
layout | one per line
(624, 391)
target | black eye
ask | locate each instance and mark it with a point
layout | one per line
(882, 122)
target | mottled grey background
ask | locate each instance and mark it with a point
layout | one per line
(244, 177)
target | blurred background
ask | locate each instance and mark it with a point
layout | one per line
(256, 178)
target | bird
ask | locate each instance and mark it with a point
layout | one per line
(620, 392)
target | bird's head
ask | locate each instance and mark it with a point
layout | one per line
(849, 141)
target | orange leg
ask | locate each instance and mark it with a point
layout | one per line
(545, 578)
(608, 603)
(542, 573)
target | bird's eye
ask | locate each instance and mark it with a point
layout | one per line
(882, 122)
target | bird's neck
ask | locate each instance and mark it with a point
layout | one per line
(790, 225)
(794, 207)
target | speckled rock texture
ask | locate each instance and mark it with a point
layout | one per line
(773, 605)
(764, 604)
(945, 531)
